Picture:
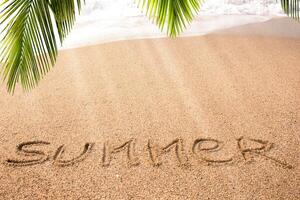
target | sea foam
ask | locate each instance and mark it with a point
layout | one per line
(107, 20)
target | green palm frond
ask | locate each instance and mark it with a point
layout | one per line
(64, 12)
(172, 14)
(291, 8)
(29, 46)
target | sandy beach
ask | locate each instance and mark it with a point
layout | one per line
(204, 117)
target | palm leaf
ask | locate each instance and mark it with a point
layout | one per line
(175, 15)
(64, 12)
(29, 45)
(291, 8)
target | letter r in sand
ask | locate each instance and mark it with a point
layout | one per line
(249, 148)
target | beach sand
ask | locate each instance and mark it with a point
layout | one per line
(207, 117)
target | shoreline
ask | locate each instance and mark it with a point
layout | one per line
(141, 28)
(195, 29)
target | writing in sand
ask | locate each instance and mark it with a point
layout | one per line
(247, 149)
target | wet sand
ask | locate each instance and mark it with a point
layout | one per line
(207, 117)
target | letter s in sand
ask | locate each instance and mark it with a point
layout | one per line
(23, 149)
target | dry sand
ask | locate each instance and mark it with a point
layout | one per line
(210, 117)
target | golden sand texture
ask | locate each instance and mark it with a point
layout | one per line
(211, 117)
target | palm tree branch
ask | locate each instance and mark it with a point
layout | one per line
(174, 15)
(65, 14)
(291, 8)
(29, 43)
